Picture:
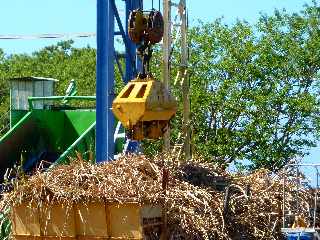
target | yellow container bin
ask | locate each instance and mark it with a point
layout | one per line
(125, 222)
(25, 220)
(83, 221)
(91, 221)
(29, 222)
(58, 220)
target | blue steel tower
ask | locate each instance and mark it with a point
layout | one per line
(107, 17)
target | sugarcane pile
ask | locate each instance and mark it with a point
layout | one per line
(256, 207)
(250, 206)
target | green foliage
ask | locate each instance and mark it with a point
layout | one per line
(5, 225)
(62, 62)
(255, 89)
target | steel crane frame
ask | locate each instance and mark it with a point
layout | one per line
(107, 17)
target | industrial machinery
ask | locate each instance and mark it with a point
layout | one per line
(145, 106)
(295, 226)
(44, 127)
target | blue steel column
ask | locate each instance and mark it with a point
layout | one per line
(105, 81)
(138, 4)
(110, 80)
(130, 73)
(131, 46)
(132, 146)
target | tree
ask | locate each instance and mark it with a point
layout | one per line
(4, 93)
(255, 89)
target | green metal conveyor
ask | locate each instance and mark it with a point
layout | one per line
(48, 135)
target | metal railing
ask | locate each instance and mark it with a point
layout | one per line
(298, 183)
(57, 98)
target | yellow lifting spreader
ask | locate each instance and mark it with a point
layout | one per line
(144, 107)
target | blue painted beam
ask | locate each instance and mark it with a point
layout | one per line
(119, 65)
(129, 74)
(105, 81)
(125, 37)
(132, 67)
(138, 4)
(110, 81)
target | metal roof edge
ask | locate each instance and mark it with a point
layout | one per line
(33, 78)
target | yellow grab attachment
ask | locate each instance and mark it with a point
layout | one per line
(144, 107)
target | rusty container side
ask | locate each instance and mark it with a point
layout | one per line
(57, 220)
(42, 238)
(25, 220)
(21, 237)
(91, 220)
(84, 221)
(124, 221)
(92, 238)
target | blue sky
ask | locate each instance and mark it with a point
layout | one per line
(70, 16)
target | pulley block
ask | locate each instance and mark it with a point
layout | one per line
(145, 28)
(137, 24)
(155, 27)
